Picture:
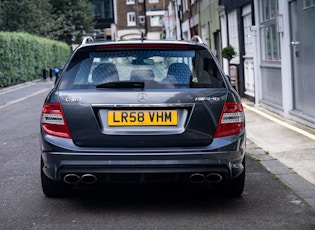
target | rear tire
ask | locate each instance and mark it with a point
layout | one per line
(53, 188)
(233, 187)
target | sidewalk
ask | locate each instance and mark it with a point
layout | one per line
(285, 148)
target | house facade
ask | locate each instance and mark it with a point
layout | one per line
(104, 16)
(209, 25)
(104, 13)
(235, 21)
(129, 19)
(274, 65)
(285, 57)
(139, 18)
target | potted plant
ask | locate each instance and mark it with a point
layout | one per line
(228, 53)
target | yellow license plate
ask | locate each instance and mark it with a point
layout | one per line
(142, 118)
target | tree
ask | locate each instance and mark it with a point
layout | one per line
(63, 20)
(32, 16)
(73, 18)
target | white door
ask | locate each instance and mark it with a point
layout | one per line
(248, 57)
(302, 15)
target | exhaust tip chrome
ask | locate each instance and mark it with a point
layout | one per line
(197, 178)
(71, 179)
(88, 179)
(214, 178)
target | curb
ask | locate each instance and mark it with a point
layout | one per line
(18, 86)
(301, 187)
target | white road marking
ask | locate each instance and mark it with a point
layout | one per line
(23, 98)
(296, 129)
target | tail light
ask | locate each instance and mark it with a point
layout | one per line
(53, 121)
(231, 120)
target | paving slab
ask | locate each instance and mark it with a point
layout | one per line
(282, 139)
(284, 150)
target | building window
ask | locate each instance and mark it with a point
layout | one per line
(309, 3)
(156, 21)
(130, 2)
(269, 10)
(131, 19)
(140, 1)
(233, 35)
(185, 5)
(153, 1)
(247, 21)
(103, 11)
(269, 34)
(141, 19)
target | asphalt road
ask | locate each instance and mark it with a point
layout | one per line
(265, 204)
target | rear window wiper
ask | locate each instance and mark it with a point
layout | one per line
(122, 84)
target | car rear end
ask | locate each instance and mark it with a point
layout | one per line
(142, 112)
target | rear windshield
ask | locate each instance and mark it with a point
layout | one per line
(164, 68)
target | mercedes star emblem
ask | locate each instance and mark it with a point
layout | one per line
(142, 97)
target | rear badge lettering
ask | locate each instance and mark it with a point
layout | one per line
(207, 99)
(73, 99)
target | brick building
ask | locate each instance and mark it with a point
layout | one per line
(129, 19)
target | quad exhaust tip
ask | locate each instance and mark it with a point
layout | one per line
(75, 179)
(71, 179)
(88, 179)
(198, 178)
(213, 178)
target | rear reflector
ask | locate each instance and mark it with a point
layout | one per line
(53, 121)
(231, 120)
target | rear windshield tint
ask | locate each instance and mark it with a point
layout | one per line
(166, 68)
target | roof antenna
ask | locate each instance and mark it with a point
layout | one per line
(142, 37)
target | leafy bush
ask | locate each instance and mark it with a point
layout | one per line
(228, 53)
(23, 57)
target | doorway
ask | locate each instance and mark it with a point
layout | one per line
(302, 22)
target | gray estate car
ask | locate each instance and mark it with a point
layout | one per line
(142, 112)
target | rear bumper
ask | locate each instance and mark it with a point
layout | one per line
(146, 165)
(224, 157)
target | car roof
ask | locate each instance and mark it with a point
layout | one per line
(90, 42)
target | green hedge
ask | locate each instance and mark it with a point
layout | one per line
(23, 57)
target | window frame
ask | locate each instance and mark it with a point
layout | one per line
(141, 19)
(308, 4)
(154, 19)
(130, 2)
(270, 38)
(131, 19)
(233, 35)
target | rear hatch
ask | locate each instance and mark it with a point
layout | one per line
(115, 118)
(153, 95)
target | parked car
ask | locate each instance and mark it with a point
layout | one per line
(142, 112)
